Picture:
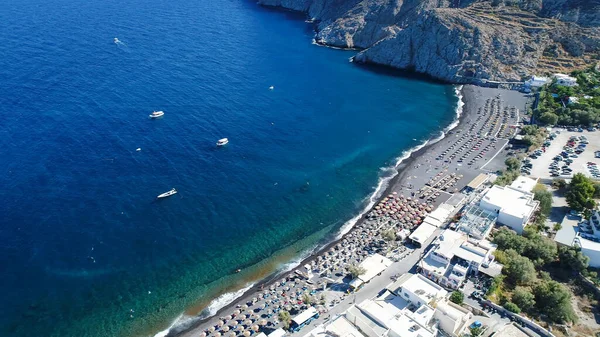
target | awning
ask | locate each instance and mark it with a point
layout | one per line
(475, 183)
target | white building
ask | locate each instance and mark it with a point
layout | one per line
(373, 265)
(453, 256)
(590, 240)
(339, 326)
(536, 81)
(417, 290)
(565, 80)
(524, 184)
(452, 318)
(514, 206)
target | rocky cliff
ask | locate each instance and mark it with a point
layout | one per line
(460, 40)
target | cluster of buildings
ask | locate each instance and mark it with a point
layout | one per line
(417, 305)
(464, 249)
(561, 79)
(412, 306)
(584, 234)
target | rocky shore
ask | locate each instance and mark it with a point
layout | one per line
(460, 41)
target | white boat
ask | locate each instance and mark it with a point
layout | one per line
(156, 114)
(222, 142)
(117, 40)
(167, 194)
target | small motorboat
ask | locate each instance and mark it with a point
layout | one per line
(222, 142)
(156, 114)
(167, 194)
(271, 87)
(117, 41)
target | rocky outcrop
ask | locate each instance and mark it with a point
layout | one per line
(460, 41)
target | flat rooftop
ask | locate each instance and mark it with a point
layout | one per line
(418, 284)
(512, 201)
(340, 326)
(524, 184)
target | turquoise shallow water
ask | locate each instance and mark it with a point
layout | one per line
(82, 240)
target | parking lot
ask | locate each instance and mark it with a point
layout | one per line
(572, 156)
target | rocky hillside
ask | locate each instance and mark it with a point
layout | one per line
(461, 41)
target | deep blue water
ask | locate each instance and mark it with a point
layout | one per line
(82, 241)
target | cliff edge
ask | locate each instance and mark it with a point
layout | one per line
(461, 41)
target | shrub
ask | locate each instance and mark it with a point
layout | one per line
(510, 306)
(457, 297)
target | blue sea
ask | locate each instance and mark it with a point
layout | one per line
(85, 248)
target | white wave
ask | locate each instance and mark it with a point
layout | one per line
(384, 181)
(225, 300)
(166, 331)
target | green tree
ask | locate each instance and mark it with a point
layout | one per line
(523, 298)
(519, 270)
(510, 306)
(457, 297)
(580, 195)
(476, 331)
(355, 270)
(554, 300)
(512, 163)
(545, 198)
(559, 183)
(540, 249)
(548, 118)
(285, 318)
(572, 258)
(597, 191)
(389, 235)
(307, 299)
(508, 239)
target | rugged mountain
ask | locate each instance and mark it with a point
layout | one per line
(460, 40)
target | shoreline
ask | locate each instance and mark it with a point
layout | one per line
(384, 187)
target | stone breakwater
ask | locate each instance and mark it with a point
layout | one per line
(459, 41)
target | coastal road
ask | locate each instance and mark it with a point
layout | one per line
(374, 287)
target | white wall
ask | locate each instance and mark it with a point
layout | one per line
(511, 221)
(594, 256)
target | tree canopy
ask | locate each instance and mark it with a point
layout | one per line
(580, 195)
(519, 270)
(457, 297)
(512, 163)
(572, 258)
(541, 194)
(355, 270)
(554, 300)
(523, 298)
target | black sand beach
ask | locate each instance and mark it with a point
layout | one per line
(413, 173)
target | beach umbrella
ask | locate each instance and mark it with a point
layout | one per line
(244, 307)
(232, 334)
(217, 334)
(202, 334)
(225, 328)
(228, 318)
(247, 333)
(220, 323)
(211, 328)
(236, 312)
(255, 327)
(263, 322)
(248, 322)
